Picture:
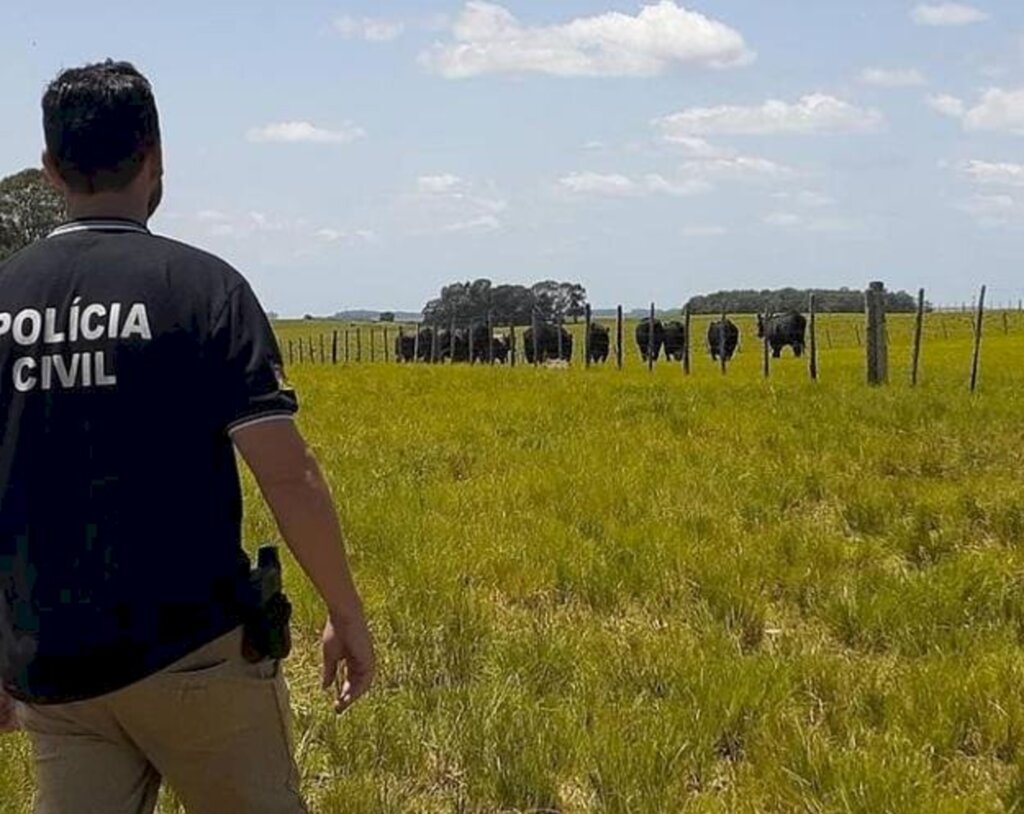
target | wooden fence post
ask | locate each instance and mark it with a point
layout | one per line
(814, 338)
(291, 353)
(451, 343)
(348, 354)
(359, 345)
(302, 352)
(435, 344)
(323, 357)
(915, 361)
(978, 325)
(877, 347)
(416, 344)
(560, 326)
(650, 341)
(373, 345)
(619, 331)
(312, 354)
(766, 359)
(687, 339)
(512, 345)
(721, 343)
(589, 318)
(535, 339)
(490, 338)
(334, 348)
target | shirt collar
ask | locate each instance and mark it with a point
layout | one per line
(99, 225)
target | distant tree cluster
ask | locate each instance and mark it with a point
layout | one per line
(842, 300)
(29, 210)
(548, 301)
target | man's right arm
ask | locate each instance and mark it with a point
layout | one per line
(298, 496)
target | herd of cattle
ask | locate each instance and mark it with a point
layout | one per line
(552, 343)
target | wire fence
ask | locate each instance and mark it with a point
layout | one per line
(622, 341)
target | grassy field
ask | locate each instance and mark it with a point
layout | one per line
(622, 592)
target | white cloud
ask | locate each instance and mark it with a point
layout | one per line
(993, 211)
(812, 114)
(947, 105)
(593, 183)
(303, 132)
(990, 206)
(806, 198)
(711, 161)
(211, 216)
(740, 167)
(445, 203)
(783, 219)
(484, 223)
(989, 173)
(439, 184)
(370, 29)
(704, 231)
(696, 147)
(329, 235)
(893, 77)
(488, 39)
(998, 110)
(831, 224)
(947, 14)
(677, 189)
(615, 185)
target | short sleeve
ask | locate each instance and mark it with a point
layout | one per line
(248, 373)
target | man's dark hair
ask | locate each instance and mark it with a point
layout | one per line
(100, 122)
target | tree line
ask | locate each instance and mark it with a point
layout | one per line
(842, 300)
(479, 300)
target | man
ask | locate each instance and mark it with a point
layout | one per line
(131, 366)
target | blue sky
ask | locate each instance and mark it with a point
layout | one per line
(361, 154)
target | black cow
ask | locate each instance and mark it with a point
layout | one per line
(500, 349)
(789, 328)
(600, 342)
(650, 345)
(547, 344)
(479, 339)
(675, 340)
(405, 347)
(723, 337)
(426, 345)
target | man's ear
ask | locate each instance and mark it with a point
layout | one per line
(52, 174)
(155, 159)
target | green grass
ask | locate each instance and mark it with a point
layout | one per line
(622, 592)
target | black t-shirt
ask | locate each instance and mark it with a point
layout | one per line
(126, 360)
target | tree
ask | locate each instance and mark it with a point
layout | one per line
(479, 300)
(574, 297)
(29, 210)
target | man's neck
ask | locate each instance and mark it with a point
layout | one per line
(106, 206)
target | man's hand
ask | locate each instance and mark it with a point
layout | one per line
(349, 662)
(8, 718)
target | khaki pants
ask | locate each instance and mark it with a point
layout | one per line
(214, 725)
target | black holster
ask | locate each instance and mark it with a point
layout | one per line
(266, 611)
